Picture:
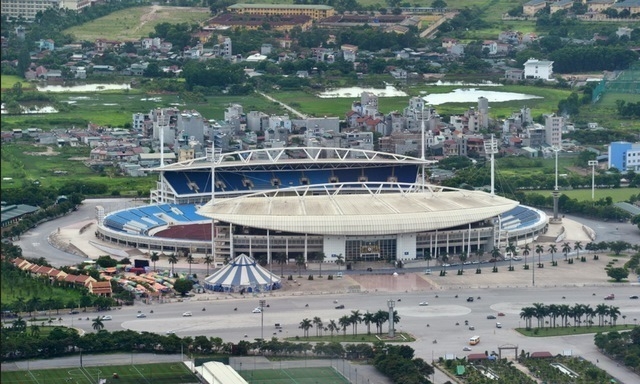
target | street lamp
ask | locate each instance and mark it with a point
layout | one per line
(262, 304)
(592, 164)
(391, 304)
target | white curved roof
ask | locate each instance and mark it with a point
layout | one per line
(387, 208)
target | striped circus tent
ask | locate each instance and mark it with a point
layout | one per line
(242, 275)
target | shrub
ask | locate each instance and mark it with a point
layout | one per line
(290, 277)
(310, 277)
(330, 277)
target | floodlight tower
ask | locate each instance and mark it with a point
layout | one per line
(422, 155)
(391, 304)
(556, 192)
(491, 148)
(593, 164)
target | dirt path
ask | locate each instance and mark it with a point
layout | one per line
(147, 17)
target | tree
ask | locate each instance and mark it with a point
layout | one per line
(339, 261)
(97, 324)
(317, 321)
(208, 260)
(332, 326)
(183, 286)
(566, 248)
(299, 263)
(344, 322)
(154, 258)
(439, 4)
(539, 251)
(189, 258)
(463, 258)
(527, 314)
(618, 274)
(320, 258)
(368, 318)
(552, 249)
(305, 325)
(355, 319)
(495, 253)
(173, 260)
(511, 248)
(577, 246)
(618, 246)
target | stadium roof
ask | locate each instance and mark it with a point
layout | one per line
(383, 208)
(270, 157)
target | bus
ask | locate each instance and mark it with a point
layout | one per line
(474, 340)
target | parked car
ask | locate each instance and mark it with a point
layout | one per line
(423, 304)
(470, 299)
(73, 312)
(466, 349)
(498, 325)
(187, 314)
(170, 332)
(256, 310)
(472, 328)
(141, 315)
(341, 306)
(634, 297)
(107, 317)
(610, 296)
(491, 317)
(500, 314)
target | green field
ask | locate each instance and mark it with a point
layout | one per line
(617, 194)
(173, 373)
(324, 375)
(136, 23)
(7, 82)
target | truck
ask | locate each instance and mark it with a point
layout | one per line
(610, 296)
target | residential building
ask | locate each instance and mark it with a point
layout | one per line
(624, 156)
(538, 69)
(553, 130)
(532, 7)
(560, 6)
(26, 9)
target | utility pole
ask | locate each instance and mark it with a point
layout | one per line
(262, 304)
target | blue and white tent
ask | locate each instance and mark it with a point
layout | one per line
(242, 275)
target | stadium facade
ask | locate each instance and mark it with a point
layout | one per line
(347, 204)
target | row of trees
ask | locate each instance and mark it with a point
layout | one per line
(356, 317)
(607, 314)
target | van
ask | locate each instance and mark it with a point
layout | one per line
(474, 340)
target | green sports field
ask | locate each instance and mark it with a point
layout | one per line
(174, 373)
(324, 375)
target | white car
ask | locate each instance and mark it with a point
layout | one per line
(141, 315)
(423, 304)
(171, 332)
(107, 317)
(256, 310)
(498, 325)
(517, 258)
(187, 314)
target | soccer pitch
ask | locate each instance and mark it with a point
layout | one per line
(173, 373)
(324, 375)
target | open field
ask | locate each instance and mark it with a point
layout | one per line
(175, 373)
(7, 82)
(325, 375)
(25, 163)
(136, 23)
(617, 194)
(606, 114)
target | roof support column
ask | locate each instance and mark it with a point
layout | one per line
(268, 247)
(231, 241)
(305, 247)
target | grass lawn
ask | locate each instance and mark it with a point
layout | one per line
(7, 82)
(564, 331)
(361, 338)
(617, 194)
(324, 375)
(605, 112)
(136, 23)
(173, 373)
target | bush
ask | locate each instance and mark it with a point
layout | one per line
(478, 271)
(330, 277)
(290, 277)
(310, 277)
(494, 270)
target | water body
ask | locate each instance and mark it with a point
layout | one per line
(84, 88)
(470, 95)
(388, 91)
(463, 84)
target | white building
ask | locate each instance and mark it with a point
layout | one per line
(553, 130)
(538, 69)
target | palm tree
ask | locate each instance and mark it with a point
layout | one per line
(344, 322)
(19, 324)
(368, 318)
(463, 258)
(154, 258)
(320, 256)
(208, 260)
(339, 261)
(281, 257)
(566, 248)
(427, 256)
(540, 313)
(552, 250)
(526, 252)
(577, 246)
(318, 323)
(614, 312)
(305, 324)
(539, 251)
(563, 311)
(511, 248)
(355, 319)
(97, 324)
(479, 253)
(299, 263)
(189, 258)
(35, 330)
(445, 258)
(380, 318)
(173, 260)
(601, 310)
(553, 312)
(495, 253)
(332, 326)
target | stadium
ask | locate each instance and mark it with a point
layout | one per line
(347, 205)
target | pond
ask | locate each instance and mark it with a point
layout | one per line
(83, 88)
(470, 95)
(388, 91)
(463, 84)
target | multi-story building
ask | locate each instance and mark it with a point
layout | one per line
(532, 7)
(316, 12)
(538, 69)
(27, 9)
(624, 156)
(553, 130)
